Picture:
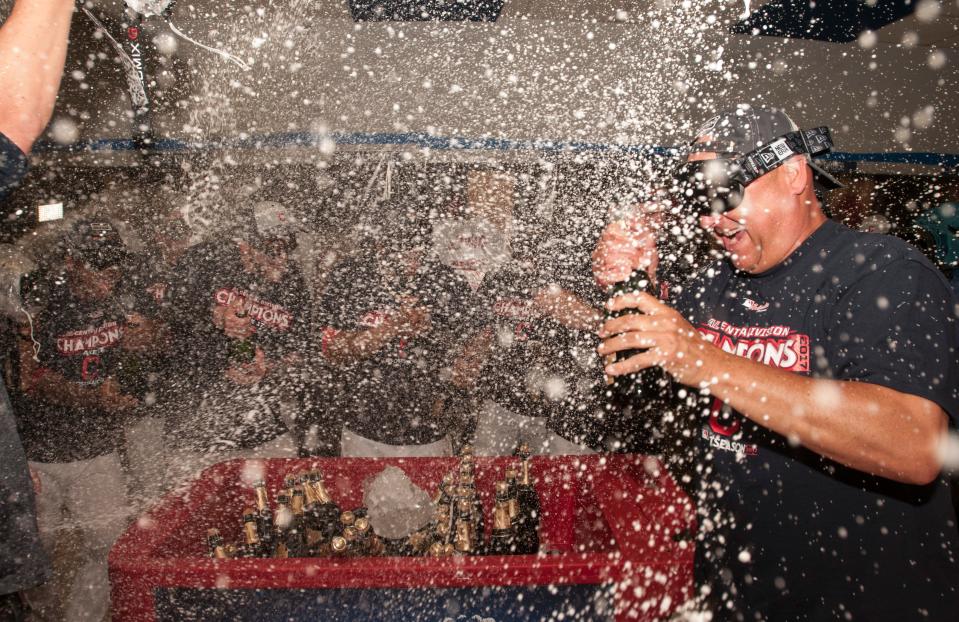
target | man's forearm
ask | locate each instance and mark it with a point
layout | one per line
(353, 346)
(865, 426)
(33, 48)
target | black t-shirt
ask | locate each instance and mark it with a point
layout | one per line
(80, 340)
(401, 394)
(210, 275)
(803, 537)
(13, 166)
(538, 366)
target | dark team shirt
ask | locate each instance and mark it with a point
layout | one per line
(211, 275)
(539, 367)
(13, 166)
(80, 340)
(401, 394)
(817, 540)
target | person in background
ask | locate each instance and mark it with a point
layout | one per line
(939, 230)
(396, 319)
(540, 352)
(33, 49)
(154, 380)
(72, 417)
(239, 313)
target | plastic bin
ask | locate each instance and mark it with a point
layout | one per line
(614, 546)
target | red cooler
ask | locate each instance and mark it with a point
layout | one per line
(615, 545)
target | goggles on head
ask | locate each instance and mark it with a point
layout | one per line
(718, 185)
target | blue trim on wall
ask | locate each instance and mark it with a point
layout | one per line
(426, 141)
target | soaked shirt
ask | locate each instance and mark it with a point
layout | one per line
(13, 166)
(539, 367)
(803, 537)
(211, 275)
(80, 340)
(400, 395)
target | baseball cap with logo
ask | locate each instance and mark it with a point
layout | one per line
(275, 226)
(740, 131)
(96, 242)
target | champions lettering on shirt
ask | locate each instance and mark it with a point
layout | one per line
(87, 341)
(777, 346)
(261, 311)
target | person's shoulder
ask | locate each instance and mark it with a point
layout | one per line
(13, 165)
(851, 255)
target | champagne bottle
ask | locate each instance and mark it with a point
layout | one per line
(650, 384)
(353, 542)
(215, 543)
(511, 477)
(465, 514)
(252, 547)
(463, 541)
(339, 547)
(371, 543)
(264, 517)
(289, 481)
(467, 490)
(419, 542)
(503, 538)
(296, 540)
(283, 520)
(444, 494)
(324, 512)
(527, 528)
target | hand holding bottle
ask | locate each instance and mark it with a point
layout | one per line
(411, 319)
(112, 398)
(247, 374)
(626, 245)
(234, 319)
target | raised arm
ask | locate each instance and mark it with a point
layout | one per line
(33, 49)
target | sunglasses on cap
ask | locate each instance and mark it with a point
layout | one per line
(718, 185)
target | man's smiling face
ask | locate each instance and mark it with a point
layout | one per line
(752, 233)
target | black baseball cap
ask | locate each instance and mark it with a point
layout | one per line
(741, 130)
(97, 243)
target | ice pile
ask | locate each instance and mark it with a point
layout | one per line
(396, 506)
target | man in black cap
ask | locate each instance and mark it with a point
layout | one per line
(239, 311)
(71, 418)
(829, 357)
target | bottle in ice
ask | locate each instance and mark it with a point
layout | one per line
(503, 538)
(296, 539)
(463, 541)
(339, 547)
(264, 518)
(283, 519)
(251, 547)
(215, 543)
(323, 514)
(370, 544)
(528, 518)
